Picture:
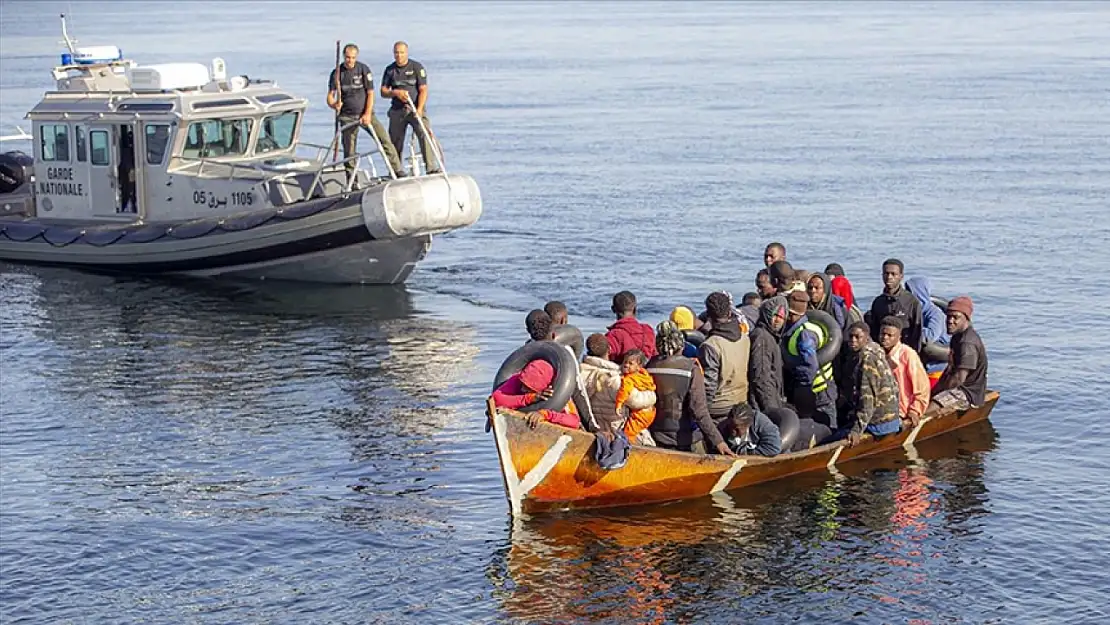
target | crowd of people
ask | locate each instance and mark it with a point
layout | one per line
(726, 380)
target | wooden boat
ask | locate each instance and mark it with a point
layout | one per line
(552, 468)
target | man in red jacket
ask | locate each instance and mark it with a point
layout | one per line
(628, 333)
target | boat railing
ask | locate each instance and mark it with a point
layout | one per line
(325, 160)
(21, 135)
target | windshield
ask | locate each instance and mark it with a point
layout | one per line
(277, 132)
(217, 137)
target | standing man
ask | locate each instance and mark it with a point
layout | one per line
(896, 301)
(810, 383)
(913, 381)
(773, 253)
(354, 101)
(406, 81)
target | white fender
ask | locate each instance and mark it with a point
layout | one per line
(424, 205)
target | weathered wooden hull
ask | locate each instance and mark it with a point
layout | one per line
(553, 468)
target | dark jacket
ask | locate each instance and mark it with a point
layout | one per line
(875, 401)
(903, 305)
(628, 333)
(765, 388)
(724, 357)
(681, 414)
(762, 438)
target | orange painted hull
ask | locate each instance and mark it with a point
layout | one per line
(552, 468)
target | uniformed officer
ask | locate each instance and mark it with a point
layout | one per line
(406, 82)
(355, 102)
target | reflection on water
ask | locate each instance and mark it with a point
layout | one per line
(215, 398)
(874, 530)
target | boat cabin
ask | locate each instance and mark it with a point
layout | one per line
(120, 142)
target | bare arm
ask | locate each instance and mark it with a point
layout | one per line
(421, 99)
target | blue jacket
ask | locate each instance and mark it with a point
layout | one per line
(933, 329)
(805, 368)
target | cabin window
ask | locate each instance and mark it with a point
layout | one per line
(100, 147)
(217, 137)
(79, 136)
(55, 142)
(277, 132)
(157, 138)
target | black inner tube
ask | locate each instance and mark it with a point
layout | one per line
(570, 336)
(558, 356)
(789, 426)
(835, 334)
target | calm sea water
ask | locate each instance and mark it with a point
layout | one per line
(176, 452)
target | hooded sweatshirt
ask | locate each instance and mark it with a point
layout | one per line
(765, 383)
(628, 333)
(932, 317)
(833, 303)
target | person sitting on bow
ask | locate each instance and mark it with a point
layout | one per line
(531, 385)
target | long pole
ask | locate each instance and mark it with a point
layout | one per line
(338, 99)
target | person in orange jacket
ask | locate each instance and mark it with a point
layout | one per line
(637, 393)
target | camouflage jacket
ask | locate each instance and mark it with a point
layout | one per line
(876, 392)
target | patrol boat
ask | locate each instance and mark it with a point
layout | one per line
(179, 168)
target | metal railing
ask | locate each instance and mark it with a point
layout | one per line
(323, 164)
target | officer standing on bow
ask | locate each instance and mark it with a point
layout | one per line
(406, 82)
(354, 101)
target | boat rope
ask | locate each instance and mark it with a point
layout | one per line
(727, 476)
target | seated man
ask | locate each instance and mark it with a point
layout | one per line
(750, 433)
(682, 418)
(964, 383)
(628, 333)
(873, 407)
(810, 384)
(533, 384)
(913, 381)
(724, 358)
(601, 380)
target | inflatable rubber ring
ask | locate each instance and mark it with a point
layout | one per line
(835, 335)
(789, 426)
(571, 337)
(934, 352)
(694, 337)
(941, 303)
(559, 357)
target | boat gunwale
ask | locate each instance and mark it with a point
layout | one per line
(839, 452)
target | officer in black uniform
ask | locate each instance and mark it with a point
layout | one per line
(355, 102)
(406, 82)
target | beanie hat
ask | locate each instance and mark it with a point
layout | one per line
(683, 317)
(962, 304)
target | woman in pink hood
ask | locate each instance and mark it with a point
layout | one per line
(533, 384)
